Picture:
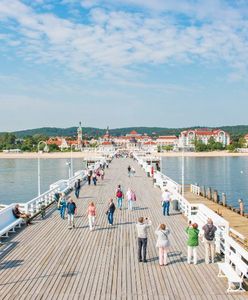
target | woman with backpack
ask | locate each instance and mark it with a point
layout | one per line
(162, 243)
(193, 242)
(119, 197)
(209, 241)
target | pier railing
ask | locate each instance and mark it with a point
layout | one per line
(234, 253)
(195, 189)
(35, 205)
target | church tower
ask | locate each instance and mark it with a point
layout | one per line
(80, 136)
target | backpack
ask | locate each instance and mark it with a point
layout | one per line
(210, 233)
(119, 194)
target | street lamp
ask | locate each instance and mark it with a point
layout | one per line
(183, 170)
(45, 149)
(68, 163)
(71, 161)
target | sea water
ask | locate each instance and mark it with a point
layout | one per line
(225, 174)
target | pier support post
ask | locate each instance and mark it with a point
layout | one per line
(209, 193)
(223, 199)
(215, 196)
(203, 191)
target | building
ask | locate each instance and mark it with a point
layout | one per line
(167, 140)
(66, 142)
(187, 138)
(246, 139)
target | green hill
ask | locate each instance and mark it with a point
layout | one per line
(236, 131)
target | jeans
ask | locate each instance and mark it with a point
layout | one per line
(142, 245)
(110, 218)
(77, 191)
(62, 212)
(209, 251)
(119, 202)
(91, 222)
(71, 220)
(130, 204)
(166, 208)
(192, 251)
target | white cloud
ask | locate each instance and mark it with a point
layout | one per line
(118, 41)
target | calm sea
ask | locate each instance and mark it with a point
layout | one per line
(225, 174)
(18, 177)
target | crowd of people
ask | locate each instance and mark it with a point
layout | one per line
(67, 206)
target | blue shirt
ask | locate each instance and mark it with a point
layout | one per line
(71, 207)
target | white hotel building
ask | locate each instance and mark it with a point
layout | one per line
(188, 137)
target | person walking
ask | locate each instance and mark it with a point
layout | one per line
(133, 171)
(119, 196)
(62, 205)
(71, 210)
(110, 211)
(77, 187)
(89, 174)
(102, 174)
(94, 178)
(166, 199)
(92, 215)
(142, 232)
(162, 243)
(131, 197)
(129, 171)
(192, 242)
(209, 241)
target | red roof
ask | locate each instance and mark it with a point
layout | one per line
(150, 143)
(106, 143)
(167, 137)
(133, 132)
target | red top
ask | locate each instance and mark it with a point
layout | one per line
(91, 210)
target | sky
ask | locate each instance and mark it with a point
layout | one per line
(123, 63)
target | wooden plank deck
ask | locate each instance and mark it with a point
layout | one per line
(49, 261)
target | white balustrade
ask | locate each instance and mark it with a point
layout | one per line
(233, 252)
(195, 189)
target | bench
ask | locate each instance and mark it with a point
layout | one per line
(227, 270)
(8, 222)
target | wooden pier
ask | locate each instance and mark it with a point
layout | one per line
(49, 261)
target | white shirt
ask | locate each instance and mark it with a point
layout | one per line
(166, 196)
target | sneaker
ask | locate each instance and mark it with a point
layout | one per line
(140, 260)
(145, 261)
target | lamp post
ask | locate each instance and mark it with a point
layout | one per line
(183, 170)
(46, 149)
(71, 161)
(68, 163)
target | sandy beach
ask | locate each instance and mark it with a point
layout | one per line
(34, 155)
(202, 154)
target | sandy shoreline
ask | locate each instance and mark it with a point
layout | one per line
(54, 155)
(202, 154)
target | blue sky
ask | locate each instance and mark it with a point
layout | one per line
(123, 63)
